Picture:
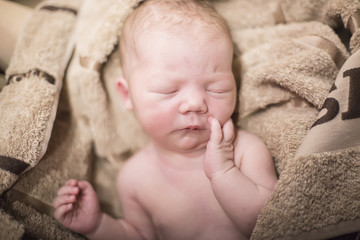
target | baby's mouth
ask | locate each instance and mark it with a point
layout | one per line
(192, 128)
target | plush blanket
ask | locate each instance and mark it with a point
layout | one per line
(61, 117)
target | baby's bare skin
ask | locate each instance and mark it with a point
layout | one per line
(181, 203)
(174, 199)
(180, 198)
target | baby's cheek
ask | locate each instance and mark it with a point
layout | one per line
(155, 119)
(222, 116)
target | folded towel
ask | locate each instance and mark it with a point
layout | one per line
(114, 131)
(283, 69)
(30, 114)
(342, 15)
(317, 196)
(288, 71)
(97, 39)
(27, 118)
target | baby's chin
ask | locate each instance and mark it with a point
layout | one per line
(191, 143)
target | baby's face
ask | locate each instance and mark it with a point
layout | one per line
(178, 83)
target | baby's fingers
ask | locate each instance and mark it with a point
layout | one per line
(68, 190)
(61, 211)
(63, 200)
(72, 182)
(228, 131)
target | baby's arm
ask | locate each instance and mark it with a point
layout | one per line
(241, 172)
(77, 208)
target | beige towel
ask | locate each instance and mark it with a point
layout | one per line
(114, 131)
(317, 194)
(287, 72)
(28, 108)
(87, 123)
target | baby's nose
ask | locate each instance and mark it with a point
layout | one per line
(195, 101)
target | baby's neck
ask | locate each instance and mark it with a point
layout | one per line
(182, 161)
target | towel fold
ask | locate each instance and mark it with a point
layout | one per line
(288, 72)
(97, 44)
(342, 15)
(27, 118)
(287, 76)
(35, 127)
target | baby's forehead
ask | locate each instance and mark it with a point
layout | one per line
(176, 17)
(173, 15)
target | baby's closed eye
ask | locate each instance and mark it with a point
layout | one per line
(165, 90)
(220, 86)
(218, 90)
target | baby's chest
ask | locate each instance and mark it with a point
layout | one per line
(187, 211)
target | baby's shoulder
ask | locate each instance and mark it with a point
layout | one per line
(246, 139)
(133, 164)
(250, 146)
(136, 167)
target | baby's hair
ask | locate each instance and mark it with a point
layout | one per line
(176, 16)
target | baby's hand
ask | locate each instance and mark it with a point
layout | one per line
(77, 207)
(219, 156)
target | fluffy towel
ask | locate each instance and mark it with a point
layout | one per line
(114, 131)
(24, 130)
(69, 127)
(29, 104)
(317, 194)
(288, 72)
(283, 69)
(77, 127)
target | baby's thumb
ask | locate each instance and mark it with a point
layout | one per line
(216, 134)
(86, 188)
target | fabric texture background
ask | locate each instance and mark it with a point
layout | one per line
(61, 117)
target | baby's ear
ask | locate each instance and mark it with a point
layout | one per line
(123, 88)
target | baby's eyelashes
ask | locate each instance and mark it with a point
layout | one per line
(165, 91)
(219, 93)
(218, 90)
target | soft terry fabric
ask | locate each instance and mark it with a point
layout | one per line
(53, 128)
(310, 123)
(61, 117)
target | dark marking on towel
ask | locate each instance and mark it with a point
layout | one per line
(349, 236)
(13, 165)
(354, 96)
(55, 9)
(353, 104)
(33, 72)
(332, 107)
